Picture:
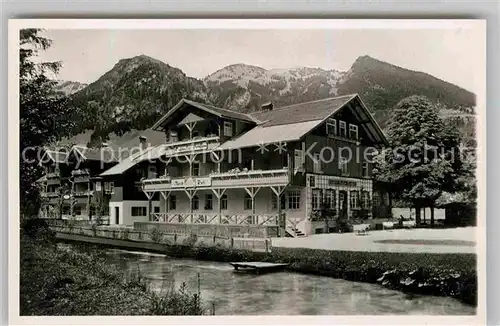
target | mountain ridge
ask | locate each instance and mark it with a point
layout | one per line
(139, 90)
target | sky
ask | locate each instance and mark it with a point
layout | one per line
(448, 54)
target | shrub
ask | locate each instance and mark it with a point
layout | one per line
(156, 235)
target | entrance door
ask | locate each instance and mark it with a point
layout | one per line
(343, 203)
(117, 215)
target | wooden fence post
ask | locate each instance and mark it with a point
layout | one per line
(267, 247)
(232, 242)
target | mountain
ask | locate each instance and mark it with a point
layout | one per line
(382, 85)
(133, 95)
(139, 90)
(245, 88)
(69, 87)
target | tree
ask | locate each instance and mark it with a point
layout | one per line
(44, 113)
(423, 158)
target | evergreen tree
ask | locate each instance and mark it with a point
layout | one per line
(44, 115)
(423, 158)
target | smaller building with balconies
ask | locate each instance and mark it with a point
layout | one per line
(266, 172)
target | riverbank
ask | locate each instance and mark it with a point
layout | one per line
(441, 274)
(58, 281)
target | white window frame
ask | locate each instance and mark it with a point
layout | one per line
(330, 195)
(365, 169)
(228, 129)
(342, 127)
(315, 199)
(142, 211)
(353, 129)
(223, 202)
(298, 156)
(331, 127)
(294, 197)
(109, 187)
(354, 199)
(317, 163)
(343, 166)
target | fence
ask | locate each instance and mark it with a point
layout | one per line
(128, 237)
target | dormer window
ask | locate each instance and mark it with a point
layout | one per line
(353, 131)
(342, 129)
(228, 129)
(331, 127)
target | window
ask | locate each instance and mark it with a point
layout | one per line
(354, 199)
(77, 210)
(109, 187)
(151, 172)
(196, 169)
(209, 202)
(364, 171)
(343, 166)
(173, 202)
(248, 202)
(316, 163)
(174, 137)
(298, 158)
(228, 129)
(138, 211)
(365, 199)
(195, 204)
(156, 209)
(98, 186)
(331, 127)
(316, 198)
(353, 131)
(312, 181)
(223, 202)
(342, 129)
(294, 199)
(330, 198)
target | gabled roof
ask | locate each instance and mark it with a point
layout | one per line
(108, 155)
(127, 163)
(302, 112)
(220, 112)
(54, 156)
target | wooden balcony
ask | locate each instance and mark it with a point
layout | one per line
(225, 219)
(49, 194)
(192, 145)
(235, 179)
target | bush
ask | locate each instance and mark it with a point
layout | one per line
(55, 280)
(156, 235)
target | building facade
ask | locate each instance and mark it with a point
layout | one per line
(272, 168)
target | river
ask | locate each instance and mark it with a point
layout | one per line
(280, 293)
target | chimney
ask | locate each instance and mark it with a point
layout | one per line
(142, 142)
(267, 106)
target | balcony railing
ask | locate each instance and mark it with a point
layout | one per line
(52, 175)
(80, 172)
(49, 194)
(226, 219)
(83, 193)
(234, 179)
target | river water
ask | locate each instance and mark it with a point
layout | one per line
(280, 293)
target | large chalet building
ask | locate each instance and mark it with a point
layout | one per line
(274, 167)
